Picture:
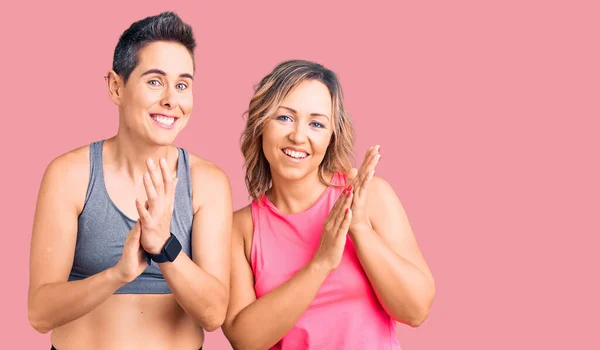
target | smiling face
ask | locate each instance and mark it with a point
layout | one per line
(156, 102)
(296, 137)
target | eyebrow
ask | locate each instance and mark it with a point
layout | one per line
(312, 114)
(158, 71)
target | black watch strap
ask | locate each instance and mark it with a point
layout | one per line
(169, 252)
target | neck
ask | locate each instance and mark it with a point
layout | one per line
(296, 196)
(129, 156)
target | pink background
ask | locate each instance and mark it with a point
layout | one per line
(487, 114)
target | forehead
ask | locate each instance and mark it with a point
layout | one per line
(169, 57)
(310, 96)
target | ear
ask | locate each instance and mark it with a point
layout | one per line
(115, 86)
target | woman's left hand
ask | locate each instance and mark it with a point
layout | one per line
(155, 215)
(359, 180)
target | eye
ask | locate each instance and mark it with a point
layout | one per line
(154, 82)
(181, 86)
(317, 125)
(284, 118)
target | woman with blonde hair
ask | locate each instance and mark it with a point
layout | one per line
(297, 281)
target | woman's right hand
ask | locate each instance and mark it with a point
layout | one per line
(133, 259)
(335, 230)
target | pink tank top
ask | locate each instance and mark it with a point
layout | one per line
(345, 314)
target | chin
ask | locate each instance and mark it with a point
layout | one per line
(164, 137)
(163, 140)
(292, 174)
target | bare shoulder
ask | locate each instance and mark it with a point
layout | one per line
(243, 228)
(242, 220)
(206, 173)
(208, 181)
(380, 188)
(382, 200)
(68, 174)
(76, 159)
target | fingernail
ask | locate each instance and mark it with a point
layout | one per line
(350, 188)
(349, 193)
(347, 210)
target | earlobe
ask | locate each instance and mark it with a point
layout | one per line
(114, 84)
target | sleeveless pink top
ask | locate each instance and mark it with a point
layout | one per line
(345, 314)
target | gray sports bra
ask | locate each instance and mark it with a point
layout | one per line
(102, 228)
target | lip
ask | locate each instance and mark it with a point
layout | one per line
(296, 149)
(163, 126)
(292, 159)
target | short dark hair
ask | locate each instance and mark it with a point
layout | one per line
(166, 26)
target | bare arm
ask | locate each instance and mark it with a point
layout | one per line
(253, 323)
(201, 285)
(386, 246)
(391, 258)
(53, 301)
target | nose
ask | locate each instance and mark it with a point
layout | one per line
(169, 99)
(298, 134)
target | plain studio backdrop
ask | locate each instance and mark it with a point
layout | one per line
(486, 113)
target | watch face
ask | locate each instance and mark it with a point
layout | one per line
(172, 248)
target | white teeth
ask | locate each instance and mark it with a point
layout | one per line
(295, 154)
(164, 120)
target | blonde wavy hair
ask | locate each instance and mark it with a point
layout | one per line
(268, 96)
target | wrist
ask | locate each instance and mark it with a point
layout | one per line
(115, 277)
(157, 245)
(169, 251)
(360, 228)
(361, 235)
(319, 266)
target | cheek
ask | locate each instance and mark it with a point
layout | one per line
(271, 138)
(186, 103)
(143, 98)
(270, 135)
(267, 144)
(320, 141)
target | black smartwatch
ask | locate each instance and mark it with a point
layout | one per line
(169, 252)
